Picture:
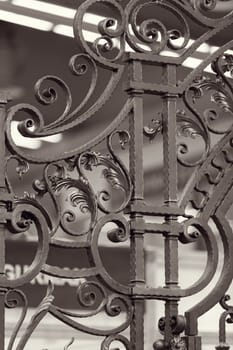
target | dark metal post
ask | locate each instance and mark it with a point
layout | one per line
(137, 236)
(3, 102)
(170, 196)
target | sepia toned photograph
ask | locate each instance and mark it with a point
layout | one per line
(116, 174)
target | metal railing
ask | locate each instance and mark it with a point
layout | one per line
(137, 35)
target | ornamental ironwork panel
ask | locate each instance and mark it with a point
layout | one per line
(142, 46)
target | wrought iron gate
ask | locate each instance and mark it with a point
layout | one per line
(191, 109)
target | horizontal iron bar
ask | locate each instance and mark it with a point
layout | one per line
(151, 227)
(153, 88)
(157, 293)
(143, 208)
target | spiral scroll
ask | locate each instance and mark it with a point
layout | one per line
(109, 29)
(152, 33)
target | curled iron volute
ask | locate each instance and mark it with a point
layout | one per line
(178, 324)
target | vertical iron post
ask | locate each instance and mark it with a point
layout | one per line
(3, 101)
(137, 236)
(170, 195)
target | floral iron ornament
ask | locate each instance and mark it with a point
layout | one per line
(83, 212)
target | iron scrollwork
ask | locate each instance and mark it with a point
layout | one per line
(82, 213)
(226, 317)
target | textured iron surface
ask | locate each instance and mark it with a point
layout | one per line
(191, 110)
